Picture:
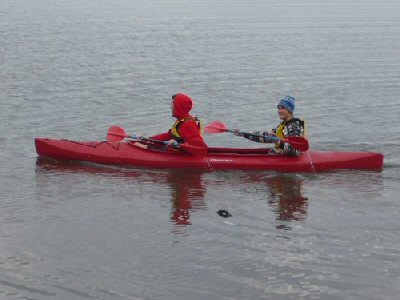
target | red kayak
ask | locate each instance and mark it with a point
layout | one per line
(127, 153)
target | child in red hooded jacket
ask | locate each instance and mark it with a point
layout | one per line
(187, 128)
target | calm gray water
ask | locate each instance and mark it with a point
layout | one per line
(71, 69)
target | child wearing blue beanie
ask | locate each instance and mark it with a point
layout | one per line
(289, 126)
(289, 103)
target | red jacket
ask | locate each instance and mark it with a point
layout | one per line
(188, 129)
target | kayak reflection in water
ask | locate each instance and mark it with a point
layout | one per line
(188, 191)
(289, 126)
(187, 128)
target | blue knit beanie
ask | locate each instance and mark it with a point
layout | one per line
(289, 103)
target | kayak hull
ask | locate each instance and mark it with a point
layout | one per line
(129, 154)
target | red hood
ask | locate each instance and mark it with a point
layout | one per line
(182, 105)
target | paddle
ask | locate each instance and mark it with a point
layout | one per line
(297, 142)
(117, 134)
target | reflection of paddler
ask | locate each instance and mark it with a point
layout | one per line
(287, 199)
(187, 192)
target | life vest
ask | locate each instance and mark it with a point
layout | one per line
(281, 129)
(175, 127)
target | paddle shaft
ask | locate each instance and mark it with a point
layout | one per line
(145, 139)
(273, 138)
(120, 133)
(297, 142)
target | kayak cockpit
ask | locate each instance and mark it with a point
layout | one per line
(242, 151)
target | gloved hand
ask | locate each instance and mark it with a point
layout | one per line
(172, 143)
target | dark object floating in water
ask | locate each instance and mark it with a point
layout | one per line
(224, 213)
